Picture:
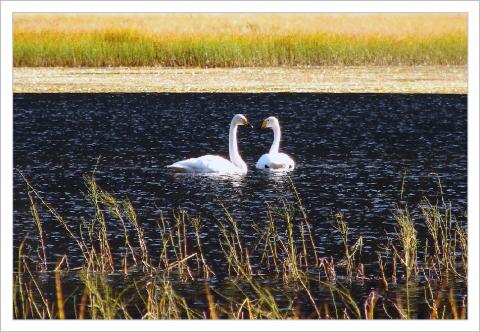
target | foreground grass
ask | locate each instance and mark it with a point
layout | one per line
(239, 40)
(282, 276)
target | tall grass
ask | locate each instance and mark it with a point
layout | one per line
(239, 40)
(284, 275)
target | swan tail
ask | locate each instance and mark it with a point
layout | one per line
(177, 167)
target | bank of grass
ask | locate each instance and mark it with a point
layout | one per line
(279, 277)
(239, 40)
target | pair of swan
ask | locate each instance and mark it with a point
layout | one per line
(272, 161)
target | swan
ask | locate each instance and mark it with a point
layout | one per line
(216, 164)
(273, 160)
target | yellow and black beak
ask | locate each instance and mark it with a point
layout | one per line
(264, 124)
(246, 123)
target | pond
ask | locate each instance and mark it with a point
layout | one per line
(359, 154)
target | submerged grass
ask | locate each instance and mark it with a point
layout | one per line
(283, 276)
(229, 40)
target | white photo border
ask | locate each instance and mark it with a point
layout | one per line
(6, 207)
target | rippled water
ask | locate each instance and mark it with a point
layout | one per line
(351, 152)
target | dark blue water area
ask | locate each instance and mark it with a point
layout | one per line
(352, 152)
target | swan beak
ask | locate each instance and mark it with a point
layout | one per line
(264, 124)
(246, 123)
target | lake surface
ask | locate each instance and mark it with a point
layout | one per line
(351, 151)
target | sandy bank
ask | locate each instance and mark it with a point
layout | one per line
(398, 79)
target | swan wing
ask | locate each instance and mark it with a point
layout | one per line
(205, 164)
(276, 162)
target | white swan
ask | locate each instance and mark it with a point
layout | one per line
(273, 160)
(216, 164)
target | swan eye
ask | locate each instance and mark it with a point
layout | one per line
(266, 166)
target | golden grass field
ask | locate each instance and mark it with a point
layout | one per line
(398, 25)
(239, 40)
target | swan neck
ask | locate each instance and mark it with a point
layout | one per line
(234, 155)
(276, 139)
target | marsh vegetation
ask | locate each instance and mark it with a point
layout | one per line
(239, 40)
(283, 275)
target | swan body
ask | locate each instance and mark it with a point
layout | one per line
(206, 164)
(274, 160)
(216, 164)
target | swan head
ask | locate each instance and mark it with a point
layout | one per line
(240, 120)
(269, 122)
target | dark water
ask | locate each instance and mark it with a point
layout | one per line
(351, 152)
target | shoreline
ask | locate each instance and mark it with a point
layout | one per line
(327, 79)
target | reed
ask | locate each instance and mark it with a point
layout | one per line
(268, 242)
(231, 244)
(229, 40)
(103, 301)
(59, 293)
(104, 252)
(283, 276)
(42, 254)
(163, 302)
(351, 252)
(351, 307)
(447, 236)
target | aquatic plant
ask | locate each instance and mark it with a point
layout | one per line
(283, 276)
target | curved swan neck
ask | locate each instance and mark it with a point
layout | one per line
(276, 138)
(234, 155)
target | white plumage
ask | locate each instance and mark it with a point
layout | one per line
(216, 164)
(274, 160)
(206, 164)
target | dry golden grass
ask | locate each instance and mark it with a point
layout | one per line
(239, 40)
(397, 25)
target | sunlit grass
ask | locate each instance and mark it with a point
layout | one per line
(239, 40)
